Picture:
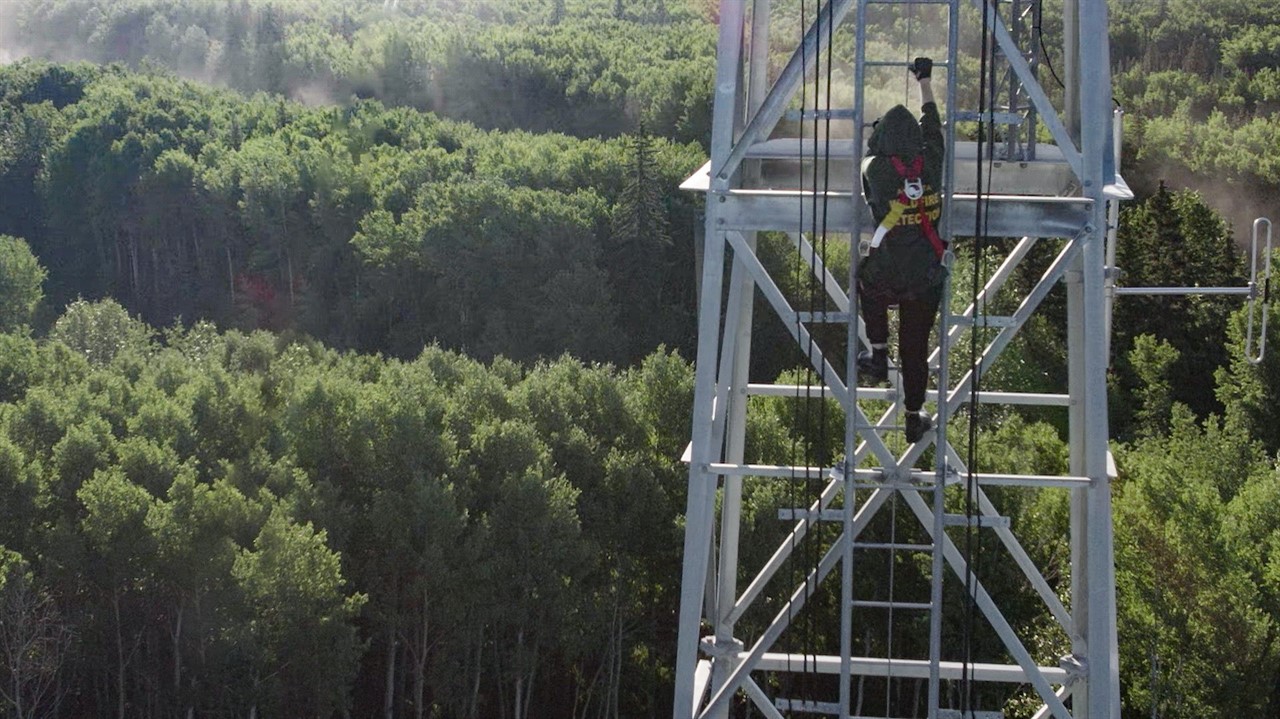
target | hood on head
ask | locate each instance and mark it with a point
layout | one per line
(897, 133)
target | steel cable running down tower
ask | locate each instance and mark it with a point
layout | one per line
(972, 536)
(800, 403)
(815, 453)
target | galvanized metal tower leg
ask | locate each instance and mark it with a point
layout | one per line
(735, 365)
(700, 507)
(1092, 540)
(1095, 108)
(734, 370)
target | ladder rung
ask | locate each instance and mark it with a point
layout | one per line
(826, 515)
(983, 321)
(862, 717)
(906, 487)
(894, 546)
(911, 2)
(877, 604)
(971, 714)
(961, 520)
(839, 113)
(823, 317)
(808, 706)
(999, 118)
(903, 63)
(890, 63)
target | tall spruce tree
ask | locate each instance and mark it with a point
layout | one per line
(1174, 239)
(637, 256)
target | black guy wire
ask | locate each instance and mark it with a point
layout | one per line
(800, 404)
(986, 103)
(1044, 51)
(810, 578)
(824, 456)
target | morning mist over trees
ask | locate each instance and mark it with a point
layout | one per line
(345, 359)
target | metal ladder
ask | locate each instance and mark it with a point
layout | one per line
(899, 481)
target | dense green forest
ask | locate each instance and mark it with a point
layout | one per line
(586, 67)
(344, 360)
(368, 228)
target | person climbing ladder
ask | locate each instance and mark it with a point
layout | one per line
(902, 264)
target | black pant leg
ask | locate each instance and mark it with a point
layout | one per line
(916, 318)
(875, 314)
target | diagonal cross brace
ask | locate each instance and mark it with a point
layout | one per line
(795, 604)
(1016, 551)
(1051, 276)
(804, 58)
(1032, 87)
(784, 550)
(773, 107)
(989, 609)
(828, 280)
(959, 395)
(742, 253)
(992, 287)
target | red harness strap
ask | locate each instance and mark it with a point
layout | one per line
(913, 173)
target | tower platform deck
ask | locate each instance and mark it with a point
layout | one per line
(1025, 198)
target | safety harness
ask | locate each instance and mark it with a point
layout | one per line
(912, 195)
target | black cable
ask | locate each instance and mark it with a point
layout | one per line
(811, 455)
(801, 401)
(1044, 51)
(986, 103)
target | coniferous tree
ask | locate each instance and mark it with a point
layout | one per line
(1175, 240)
(269, 51)
(641, 238)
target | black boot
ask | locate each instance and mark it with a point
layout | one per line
(873, 367)
(917, 424)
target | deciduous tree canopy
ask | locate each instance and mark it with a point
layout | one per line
(359, 385)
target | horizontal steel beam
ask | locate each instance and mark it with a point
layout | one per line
(784, 471)
(885, 394)
(905, 668)
(1247, 291)
(1005, 215)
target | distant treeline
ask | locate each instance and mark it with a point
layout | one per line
(600, 68)
(1200, 80)
(1200, 85)
(367, 228)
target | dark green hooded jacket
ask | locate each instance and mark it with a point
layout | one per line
(905, 264)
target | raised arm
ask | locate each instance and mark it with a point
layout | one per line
(926, 91)
(930, 121)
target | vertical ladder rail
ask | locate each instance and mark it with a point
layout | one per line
(941, 440)
(851, 372)
(853, 427)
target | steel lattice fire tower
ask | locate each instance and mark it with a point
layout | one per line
(1015, 185)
